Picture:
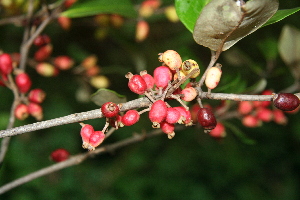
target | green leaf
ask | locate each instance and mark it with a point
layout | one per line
(189, 10)
(105, 95)
(222, 23)
(94, 7)
(281, 14)
(242, 136)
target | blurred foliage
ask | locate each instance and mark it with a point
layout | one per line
(190, 166)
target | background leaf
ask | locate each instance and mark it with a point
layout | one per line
(105, 95)
(93, 7)
(281, 14)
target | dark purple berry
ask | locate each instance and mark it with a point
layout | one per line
(206, 119)
(286, 101)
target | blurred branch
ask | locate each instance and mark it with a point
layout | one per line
(77, 159)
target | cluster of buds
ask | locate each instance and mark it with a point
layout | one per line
(256, 112)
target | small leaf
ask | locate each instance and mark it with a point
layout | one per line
(222, 23)
(281, 14)
(189, 10)
(105, 95)
(94, 7)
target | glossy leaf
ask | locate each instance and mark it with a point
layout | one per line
(104, 95)
(222, 23)
(94, 7)
(188, 11)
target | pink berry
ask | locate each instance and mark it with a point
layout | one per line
(286, 101)
(23, 82)
(206, 119)
(43, 53)
(251, 121)
(189, 93)
(131, 117)
(136, 83)
(173, 115)
(162, 76)
(63, 62)
(85, 132)
(158, 113)
(96, 139)
(186, 116)
(60, 155)
(168, 128)
(171, 58)
(110, 109)
(35, 110)
(21, 112)
(279, 117)
(37, 95)
(245, 107)
(6, 66)
(213, 77)
(148, 79)
(142, 30)
(218, 131)
(264, 114)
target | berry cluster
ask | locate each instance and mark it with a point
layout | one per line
(28, 102)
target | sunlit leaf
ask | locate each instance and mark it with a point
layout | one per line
(94, 7)
(188, 11)
(222, 23)
(105, 95)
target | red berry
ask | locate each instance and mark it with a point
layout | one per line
(168, 129)
(85, 132)
(186, 116)
(136, 83)
(251, 121)
(96, 139)
(69, 3)
(206, 118)
(264, 114)
(130, 117)
(148, 79)
(162, 75)
(64, 22)
(286, 101)
(245, 107)
(21, 112)
(60, 155)
(158, 113)
(41, 40)
(37, 95)
(43, 53)
(5, 64)
(266, 103)
(110, 109)
(173, 116)
(189, 93)
(35, 110)
(194, 111)
(218, 131)
(279, 117)
(115, 121)
(63, 62)
(23, 82)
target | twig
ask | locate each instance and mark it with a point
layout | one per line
(137, 103)
(77, 159)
